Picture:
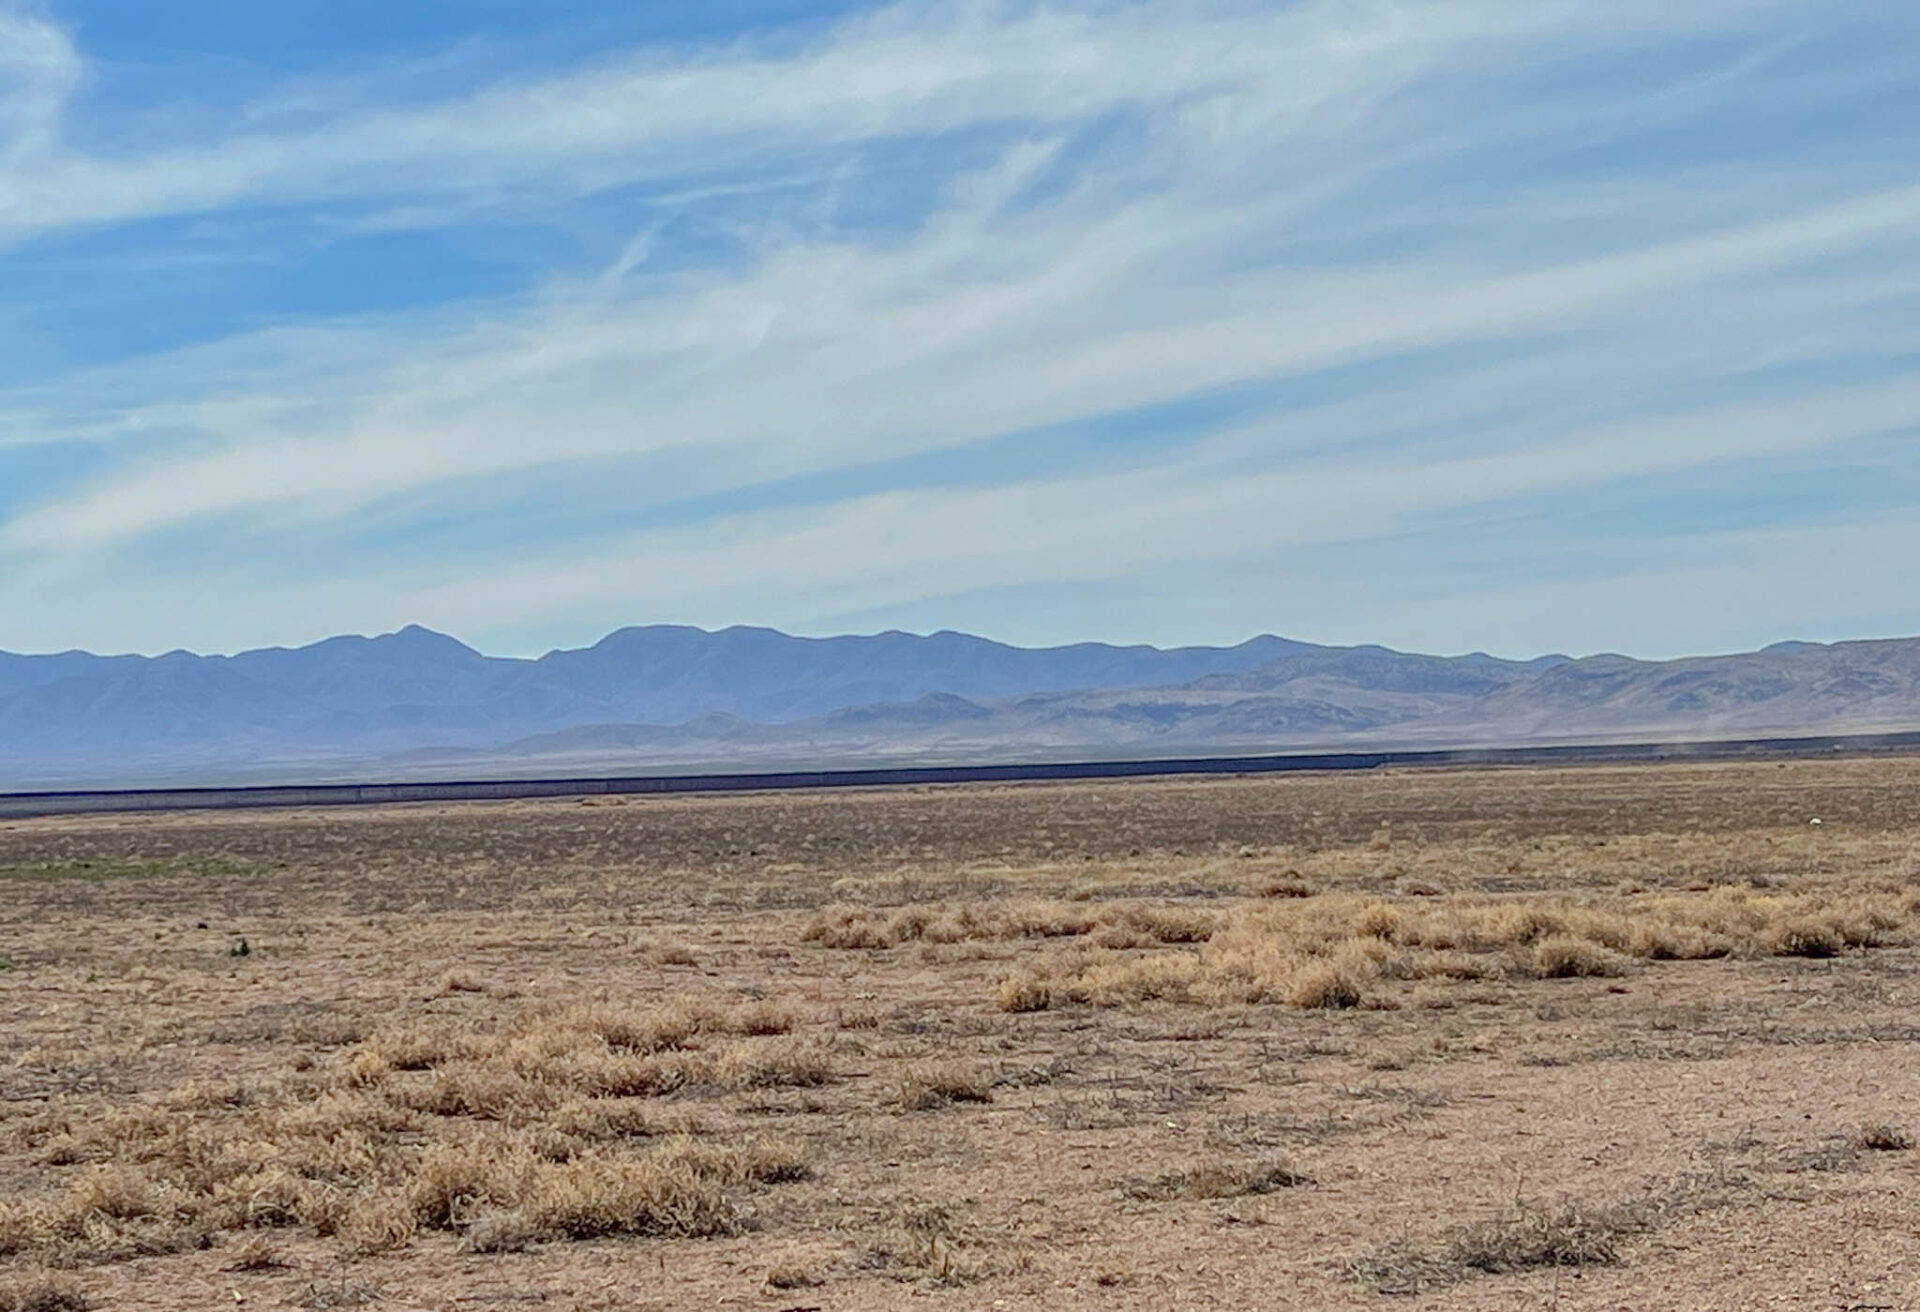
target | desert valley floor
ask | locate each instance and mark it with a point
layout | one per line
(1595, 1038)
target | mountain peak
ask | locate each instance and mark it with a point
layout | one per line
(419, 638)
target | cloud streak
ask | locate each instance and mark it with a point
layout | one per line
(1054, 296)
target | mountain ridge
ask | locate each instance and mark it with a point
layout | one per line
(656, 696)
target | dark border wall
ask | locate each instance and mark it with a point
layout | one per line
(23, 805)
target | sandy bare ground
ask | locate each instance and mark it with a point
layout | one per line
(183, 1126)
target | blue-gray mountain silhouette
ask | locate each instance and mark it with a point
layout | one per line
(421, 703)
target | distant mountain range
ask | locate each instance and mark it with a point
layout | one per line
(420, 704)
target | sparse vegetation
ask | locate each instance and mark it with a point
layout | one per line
(1331, 952)
(1218, 1180)
(1524, 1239)
(928, 1085)
(1883, 1138)
(255, 1253)
(1125, 925)
(41, 1291)
(793, 1275)
(527, 1132)
(982, 1041)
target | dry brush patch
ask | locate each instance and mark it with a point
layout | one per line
(410, 1063)
(1883, 1138)
(1572, 1233)
(927, 1086)
(1112, 925)
(41, 1291)
(542, 1129)
(1218, 1180)
(1337, 951)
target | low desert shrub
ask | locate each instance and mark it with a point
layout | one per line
(1023, 992)
(1570, 1236)
(592, 1197)
(1527, 1239)
(453, 1183)
(255, 1253)
(784, 1065)
(793, 1275)
(41, 1291)
(1563, 956)
(928, 1086)
(1117, 924)
(1885, 1138)
(1334, 950)
(498, 1232)
(1218, 1180)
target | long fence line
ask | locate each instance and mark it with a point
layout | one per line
(32, 804)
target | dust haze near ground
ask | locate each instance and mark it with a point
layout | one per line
(1585, 1038)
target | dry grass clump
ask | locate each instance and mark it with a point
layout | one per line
(922, 1247)
(598, 1051)
(17, 1229)
(1219, 1180)
(1281, 886)
(759, 1019)
(539, 1129)
(255, 1253)
(681, 1188)
(793, 1275)
(499, 1232)
(1573, 1235)
(592, 1197)
(1022, 992)
(1565, 957)
(41, 1291)
(1117, 925)
(1332, 951)
(1884, 1138)
(1528, 1239)
(378, 1224)
(929, 1086)
(789, 1065)
(501, 1196)
(408, 1048)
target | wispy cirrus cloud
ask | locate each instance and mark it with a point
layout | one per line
(943, 299)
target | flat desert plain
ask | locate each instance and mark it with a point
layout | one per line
(1596, 1037)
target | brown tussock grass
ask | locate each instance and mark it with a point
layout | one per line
(1118, 925)
(256, 1253)
(1883, 1138)
(1333, 950)
(928, 1086)
(793, 1275)
(1574, 1234)
(41, 1291)
(1024, 991)
(542, 1128)
(499, 1232)
(1218, 1180)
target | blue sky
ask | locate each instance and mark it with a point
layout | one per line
(1450, 324)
